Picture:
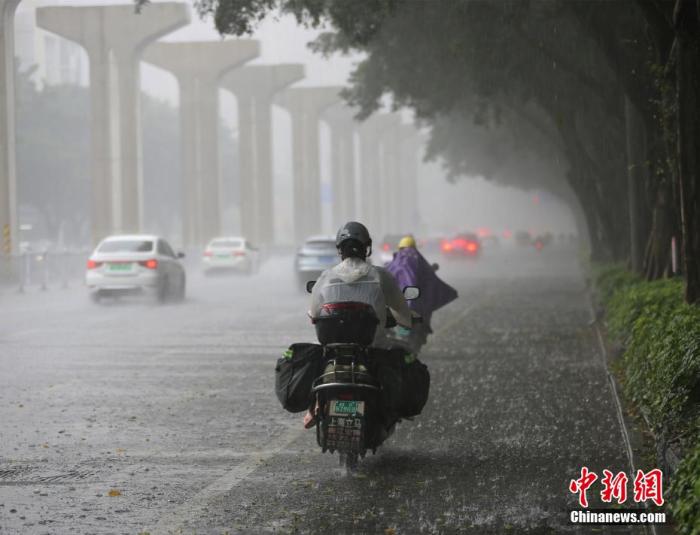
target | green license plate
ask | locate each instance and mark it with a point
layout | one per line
(340, 407)
(222, 256)
(125, 266)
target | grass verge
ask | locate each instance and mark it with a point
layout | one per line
(660, 370)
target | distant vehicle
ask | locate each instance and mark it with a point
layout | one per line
(316, 255)
(135, 264)
(230, 254)
(490, 241)
(522, 237)
(465, 245)
(387, 247)
(539, 242)
(430, 244)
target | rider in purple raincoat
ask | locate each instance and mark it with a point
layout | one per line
(410, 268)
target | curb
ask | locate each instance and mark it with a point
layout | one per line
(665, 529)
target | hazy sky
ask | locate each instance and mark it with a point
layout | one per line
(444, 207)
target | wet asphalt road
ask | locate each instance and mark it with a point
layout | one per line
(129, 417)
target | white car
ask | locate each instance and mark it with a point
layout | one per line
(231, 254)
(135, 264)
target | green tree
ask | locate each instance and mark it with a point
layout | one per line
(577, 61)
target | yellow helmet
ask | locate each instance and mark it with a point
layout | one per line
(407, 241)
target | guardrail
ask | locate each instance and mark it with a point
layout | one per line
(43, 270)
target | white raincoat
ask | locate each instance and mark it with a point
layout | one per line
(355, 279)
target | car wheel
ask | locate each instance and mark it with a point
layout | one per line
(162, 292)
(181, 290)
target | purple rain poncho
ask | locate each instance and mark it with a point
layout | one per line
(410, 268)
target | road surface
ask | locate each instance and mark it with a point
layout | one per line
(128, 417)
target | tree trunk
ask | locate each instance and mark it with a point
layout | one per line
(687, 21)
(657, 253)
(600, 247)
(634, 134)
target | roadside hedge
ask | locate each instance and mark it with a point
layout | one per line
(661, 367)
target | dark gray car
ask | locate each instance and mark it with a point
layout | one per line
(317, 254)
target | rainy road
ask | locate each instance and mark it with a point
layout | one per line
(130, 418)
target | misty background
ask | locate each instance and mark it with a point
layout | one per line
(53, 143)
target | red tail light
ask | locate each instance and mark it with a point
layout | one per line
(208, 253)
(386, 247)
(238, 253)
(348, 305)
(345, 396)
(472, 246)
(91, 264)
(446, 246)
(150, 264)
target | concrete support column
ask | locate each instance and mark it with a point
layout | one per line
(373, 182)
(305, 105)
(114, 37)
(199, 68)
(391, 185)
(254, 88)
(342, 124)
(8, 179)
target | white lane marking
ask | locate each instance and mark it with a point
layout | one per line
(192, 509)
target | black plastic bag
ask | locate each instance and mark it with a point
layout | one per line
(294, 375)
(416, 388)
(405, 382)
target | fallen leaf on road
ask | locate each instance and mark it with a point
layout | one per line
(114, 492)
(389, 531)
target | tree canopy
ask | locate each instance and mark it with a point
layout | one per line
(611, 89)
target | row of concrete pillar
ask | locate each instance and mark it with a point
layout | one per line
(116, 40)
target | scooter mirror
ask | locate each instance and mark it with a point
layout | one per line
(310, 286)
(411, 292)
(435, 266)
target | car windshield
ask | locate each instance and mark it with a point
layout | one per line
(126, 246)
(229, 244)
(320, 245)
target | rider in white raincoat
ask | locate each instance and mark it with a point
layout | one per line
(356, 279)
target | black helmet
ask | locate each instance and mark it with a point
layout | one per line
(352, 230)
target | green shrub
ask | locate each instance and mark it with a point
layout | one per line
(661, 367)
(662, 362)
(685, 494)
(658, 300)
(610, 278)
